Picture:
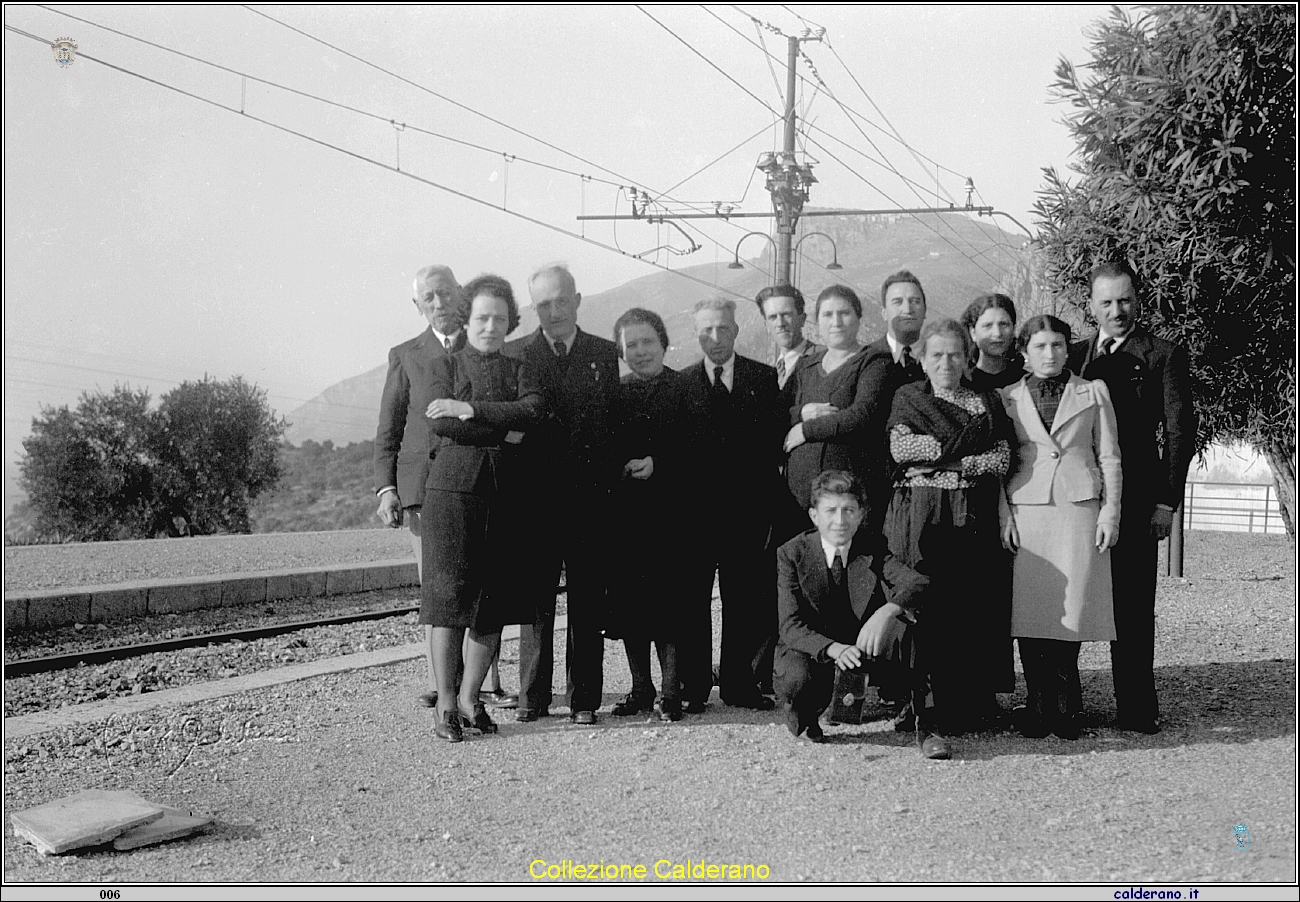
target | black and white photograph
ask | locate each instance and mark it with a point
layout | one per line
(650, 446)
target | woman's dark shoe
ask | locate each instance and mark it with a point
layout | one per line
(480, 721)
(448, 727)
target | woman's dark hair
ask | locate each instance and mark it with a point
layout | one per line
(844, 293)
(990, 301)
(641, 316)
(1044, 322)
(497, 287)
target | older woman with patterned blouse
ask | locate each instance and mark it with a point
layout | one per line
(952, 451)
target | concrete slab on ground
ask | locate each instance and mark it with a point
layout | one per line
(87, 818)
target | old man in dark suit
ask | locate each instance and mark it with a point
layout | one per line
(733, 424)
(402, 439)
(573, 468)
(1150, 386)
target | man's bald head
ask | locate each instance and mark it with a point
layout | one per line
(439, 298)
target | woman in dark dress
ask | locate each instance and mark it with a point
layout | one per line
(648, 499)
(832, 397)
(469, 522)
(991, 319)
(952, 450)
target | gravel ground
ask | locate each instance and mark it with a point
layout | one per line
(339, 779)
(167, 670)
(97, 563)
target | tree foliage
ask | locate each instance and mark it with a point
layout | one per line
(113, 469)
(1185, 139)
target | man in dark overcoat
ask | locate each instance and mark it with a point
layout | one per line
(572, 468)
(1151, 389)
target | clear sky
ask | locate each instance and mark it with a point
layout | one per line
(151, 237)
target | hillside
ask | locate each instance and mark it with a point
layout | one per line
(869, 250)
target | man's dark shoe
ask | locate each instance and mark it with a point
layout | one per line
(499, 698)
(669, 711)
(694, 707)
(756, 703)
(814, 732)
(527, 715)
(449, 727)
(1067, 726)
(934, 747)
(1028, 723)
(633, 704)
(1143, 725)
(583, 718)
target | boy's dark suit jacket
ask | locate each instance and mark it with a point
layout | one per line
(809, 619)
(402, 439)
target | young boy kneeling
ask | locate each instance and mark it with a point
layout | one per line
(843, 601)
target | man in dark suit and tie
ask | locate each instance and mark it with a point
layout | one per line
(733, 423)
(902, 307)
(844, 603)
(402, 439)
(782, 307)
(1150, 386)
(573, 465)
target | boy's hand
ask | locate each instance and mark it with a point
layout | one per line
(882, 632)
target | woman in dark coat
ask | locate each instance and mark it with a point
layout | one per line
(952, 450)
(832, 397)
(482, 402)
(991, 319)
(648, 499)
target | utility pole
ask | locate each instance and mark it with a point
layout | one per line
(787, 180)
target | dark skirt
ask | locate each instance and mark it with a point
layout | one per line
(468, 562)
(952, 537)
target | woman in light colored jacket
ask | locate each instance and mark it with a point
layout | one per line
(1060, 518)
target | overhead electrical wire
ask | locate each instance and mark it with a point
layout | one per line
(363, 158)
(405, 80)
(386, 119)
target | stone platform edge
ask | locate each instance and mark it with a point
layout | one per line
(47, 608)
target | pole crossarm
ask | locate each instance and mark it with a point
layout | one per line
(664, 217)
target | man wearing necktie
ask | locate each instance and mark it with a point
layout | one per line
(782, 307)
(402, 447)
(572, 469)
(732, 423)
(902, 307)
(1150, 386)
(844, 603)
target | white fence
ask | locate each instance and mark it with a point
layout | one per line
(1232, 507)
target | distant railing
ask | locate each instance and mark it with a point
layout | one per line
(1232, 507)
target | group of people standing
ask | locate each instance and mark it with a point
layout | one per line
(966, 486)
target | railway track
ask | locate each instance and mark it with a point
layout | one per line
(51, 663)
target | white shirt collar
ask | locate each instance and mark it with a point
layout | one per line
(896, 347)
(1102, 336)
(568, 342)
(442, 339)
(830, 551)
(728, 371)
